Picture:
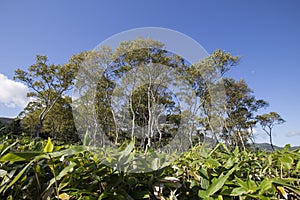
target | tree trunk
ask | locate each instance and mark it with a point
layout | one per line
(271, 142)
(149, 118)
(241, 138)
(43, 114)
(38, 128)
(133, 116)
(40, 124)
(270, 135)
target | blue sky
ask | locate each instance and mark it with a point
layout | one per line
(265, 33)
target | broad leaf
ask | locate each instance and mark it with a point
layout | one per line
(19, 156)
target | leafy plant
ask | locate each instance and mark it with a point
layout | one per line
(43, 169)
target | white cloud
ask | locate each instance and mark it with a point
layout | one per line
(293, 133)
(12, 93)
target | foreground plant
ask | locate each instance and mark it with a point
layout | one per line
(41, 169)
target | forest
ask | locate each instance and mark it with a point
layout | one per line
(140, 122)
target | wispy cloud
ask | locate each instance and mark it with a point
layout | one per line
(293, 133)
(12, 93)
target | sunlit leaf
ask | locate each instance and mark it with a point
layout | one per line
(49, 146)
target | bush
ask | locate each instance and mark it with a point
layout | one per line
(43, 169)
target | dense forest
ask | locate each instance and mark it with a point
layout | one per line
(142, 123)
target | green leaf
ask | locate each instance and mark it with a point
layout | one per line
(230, 162)
(236, 151)
(252, 187)
(246, 187)
(86, 139)
(213, 163)
(18, 176)
(66, 152)
(66, 170)
(265, 185)
(286, 148)
(204, 179)
(239, 191)
(216, 185)
(128, 149)
(7, 148)
(240, 182)
(49, 146)
(20, 156)
(61, 174)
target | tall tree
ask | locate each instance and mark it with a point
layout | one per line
(47, 84)
(118, 74)
(132, 73)
(141, 65)
(268, 121)
(206, 78)
(241, 106)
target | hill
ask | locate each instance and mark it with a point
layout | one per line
(5, 121)
(267, 147)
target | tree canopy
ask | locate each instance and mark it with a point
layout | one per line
(140, 91)
(268, 121)
(47, 84)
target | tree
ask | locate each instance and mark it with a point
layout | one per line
(108, 67)
(58, 123)
(137, 67)
(47, 84)
(241, 106)
(206, 78)
(268, 121)
(148, 69)
(109, 74)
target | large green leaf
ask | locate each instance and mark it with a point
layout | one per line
(216, 185)
(19, 156)
(66, 152)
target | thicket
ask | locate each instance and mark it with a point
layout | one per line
(44, 169)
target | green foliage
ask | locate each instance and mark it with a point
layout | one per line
(47, 82)
(58, 123)
(133, 98)
(241, 106)
(12, 127)
(268, 121)
(41, 169)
